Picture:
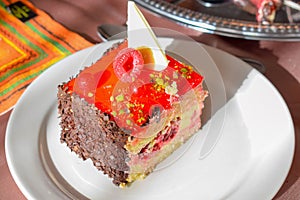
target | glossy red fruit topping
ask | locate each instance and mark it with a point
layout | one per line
(141, 95)
(128, 64)
(85, 85)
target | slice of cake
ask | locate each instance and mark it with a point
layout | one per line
(127, 116)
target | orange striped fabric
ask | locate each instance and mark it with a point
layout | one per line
(28, 48)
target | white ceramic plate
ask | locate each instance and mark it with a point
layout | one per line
(250, 160)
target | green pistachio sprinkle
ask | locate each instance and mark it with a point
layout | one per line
(183, 70)
(174, 84)
(130, 105)
(128, 122)
(114, 113)
(120, 98)
(111, 98)
(159, 81)
(175, 75)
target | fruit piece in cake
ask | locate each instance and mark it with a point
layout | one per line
(127, 117)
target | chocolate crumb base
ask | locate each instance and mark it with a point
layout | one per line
(91, 134)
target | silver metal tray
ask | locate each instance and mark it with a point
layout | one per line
(225, 19)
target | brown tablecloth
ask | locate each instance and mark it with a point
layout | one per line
(281, 59)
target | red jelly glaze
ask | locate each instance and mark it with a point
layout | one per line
(145, 99)
(146, 94)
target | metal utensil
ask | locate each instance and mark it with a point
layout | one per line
(111, 31)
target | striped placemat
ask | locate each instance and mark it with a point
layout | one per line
(30, 42)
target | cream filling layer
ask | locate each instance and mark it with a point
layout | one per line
(191, 109)
(188, 107)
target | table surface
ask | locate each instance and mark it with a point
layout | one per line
(281, 59)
